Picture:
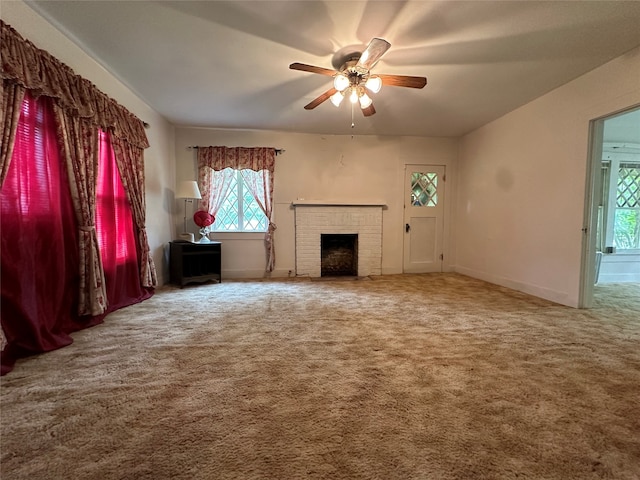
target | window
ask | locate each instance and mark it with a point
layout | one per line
(239, 211)
(114, 221)
(626, 229)
(620, 211)
(424, 189)
(33, 192)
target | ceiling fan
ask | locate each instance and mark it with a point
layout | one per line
(354, 78)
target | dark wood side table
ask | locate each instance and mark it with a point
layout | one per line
(194, 262)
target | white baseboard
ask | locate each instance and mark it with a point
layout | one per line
(391, 271)
(396, 271)
(242, 274)
(535, 290)
(245, 274)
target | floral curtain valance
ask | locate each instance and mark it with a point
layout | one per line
(36, 70)
(238, 158)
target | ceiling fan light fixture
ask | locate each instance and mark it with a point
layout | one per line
(340, 82)
(365, 101)
(373, 83)
(336, 98)
(352, 77)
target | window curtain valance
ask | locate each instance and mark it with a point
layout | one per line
(238, 158)
(29, 67)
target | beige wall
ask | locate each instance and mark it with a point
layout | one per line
(316, 167)
(522, 184)
(159, 158)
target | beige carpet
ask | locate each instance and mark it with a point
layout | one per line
(397, 377)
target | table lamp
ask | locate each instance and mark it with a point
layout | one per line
(188, 190)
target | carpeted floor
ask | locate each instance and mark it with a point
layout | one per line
(397, 377)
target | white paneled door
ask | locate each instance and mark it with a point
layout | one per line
(423, 218)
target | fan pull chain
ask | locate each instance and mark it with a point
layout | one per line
(352, 122)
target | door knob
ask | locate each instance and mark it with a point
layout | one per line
(407, 227)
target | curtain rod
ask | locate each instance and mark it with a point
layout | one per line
(279, 151)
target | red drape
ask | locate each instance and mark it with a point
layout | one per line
(39, 280)
(116, 234)
(39, 243)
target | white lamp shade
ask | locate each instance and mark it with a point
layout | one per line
(374, 84)
(365, 101)
(336, 98)
(188, 189)
(340, 82)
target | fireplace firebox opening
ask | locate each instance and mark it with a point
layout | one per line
(339, 254)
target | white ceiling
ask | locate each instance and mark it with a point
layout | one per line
(226, 64)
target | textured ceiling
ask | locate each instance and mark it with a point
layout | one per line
(226, 64)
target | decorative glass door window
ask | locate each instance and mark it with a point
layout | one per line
(424, 189)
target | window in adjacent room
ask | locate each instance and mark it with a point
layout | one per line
(621, 206)
(626, 230)
(239, 211)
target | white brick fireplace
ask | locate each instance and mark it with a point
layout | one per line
(312, 219)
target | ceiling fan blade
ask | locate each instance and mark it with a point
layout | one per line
(322, 98)
(376, 48)
(369, 111)
(310, 68)
(403, 81)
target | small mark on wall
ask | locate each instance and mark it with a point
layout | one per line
(504, 179)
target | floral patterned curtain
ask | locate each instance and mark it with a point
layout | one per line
(131, 167)
(79, 142)
(11, 97)
(214, 185)
(259, 159)
(262, 191)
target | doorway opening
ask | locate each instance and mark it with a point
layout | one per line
(611, 243)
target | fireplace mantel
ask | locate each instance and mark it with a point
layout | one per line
(333, 203)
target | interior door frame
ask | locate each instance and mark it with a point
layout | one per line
(590, 218)
(592, 197)
(444, 260)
